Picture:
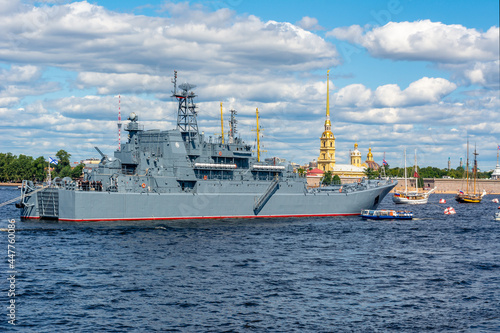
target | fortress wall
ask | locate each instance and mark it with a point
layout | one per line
(452, 185)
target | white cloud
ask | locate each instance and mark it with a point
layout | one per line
(425, 40)
(20, 74)
(82, 36)
(421, 92)
(485, 74)
(309, 23)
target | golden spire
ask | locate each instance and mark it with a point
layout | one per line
(328, 124)
(369, 157)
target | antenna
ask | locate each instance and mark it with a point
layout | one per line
(119, 124)
(232, 126)
(258, 129)
(174, 81)
(221, 123)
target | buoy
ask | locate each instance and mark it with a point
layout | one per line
(205, 177)
(220, 153)
(442, 201)
(495, 200)
(450, 211)
(143, 185)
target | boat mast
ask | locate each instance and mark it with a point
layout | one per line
(415, 173)
(406, 177)
(475, 168)
(467, 164)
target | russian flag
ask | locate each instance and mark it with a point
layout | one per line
(461, 192)
(53, 161)
(384, 162)
(397, 194)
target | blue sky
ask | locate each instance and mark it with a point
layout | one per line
(404, 74)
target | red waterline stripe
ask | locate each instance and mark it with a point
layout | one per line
(209, 217)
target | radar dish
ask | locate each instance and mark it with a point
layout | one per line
(187, 86)
(132, 116)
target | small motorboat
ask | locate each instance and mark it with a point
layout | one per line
(386, 214)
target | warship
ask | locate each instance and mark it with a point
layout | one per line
(179, 174)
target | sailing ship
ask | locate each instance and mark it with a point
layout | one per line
(412, 197)
(468, 196)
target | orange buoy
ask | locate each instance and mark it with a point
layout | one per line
(143, 185)
(220, 153)
(205, 177)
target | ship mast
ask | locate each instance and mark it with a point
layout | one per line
(221, 123)
(119, 124)
(258, 135)
(186, 112)
(232, 126)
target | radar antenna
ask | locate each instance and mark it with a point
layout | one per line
(186, 112)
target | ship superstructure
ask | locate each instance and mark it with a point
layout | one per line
(178, 173)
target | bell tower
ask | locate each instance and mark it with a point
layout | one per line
(356, 156)
(326, 159)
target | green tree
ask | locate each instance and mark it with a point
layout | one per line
(63, 162)
(24, 168)
(40, 165)
(65, 172)
(77, 171)
(327, 178)
(336, 180)
(371, 174)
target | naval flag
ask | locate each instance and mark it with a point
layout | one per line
(53, 161)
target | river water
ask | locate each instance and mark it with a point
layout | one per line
(435, 273)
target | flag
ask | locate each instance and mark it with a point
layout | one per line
(397, 194)
(415, 174)
(53, 161)
(461, 192)
(384, 162)
(498, 147)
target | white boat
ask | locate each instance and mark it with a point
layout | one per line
(497, 216)
(386, 214)
(412, 197)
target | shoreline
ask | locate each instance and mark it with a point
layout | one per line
(11, 184)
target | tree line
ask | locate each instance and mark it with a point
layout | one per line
(17, 168)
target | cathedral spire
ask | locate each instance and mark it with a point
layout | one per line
(328, 124)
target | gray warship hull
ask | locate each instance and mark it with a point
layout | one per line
(178, 174)
(209, 203)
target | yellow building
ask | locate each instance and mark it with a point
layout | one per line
(370, 163)
(326, 159)
(356, 156)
